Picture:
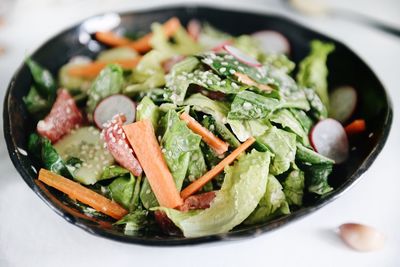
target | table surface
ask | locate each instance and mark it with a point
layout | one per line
(31, 234)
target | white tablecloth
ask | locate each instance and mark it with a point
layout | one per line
(31, 234)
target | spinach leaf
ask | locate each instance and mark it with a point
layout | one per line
(147, 196)
(113, 171)
(43, 150)
(36, 104)
(313, 71)
(272, 204)
(316, 168)
(108, 82)
(121, 190)
(44, 81)
(134, 221)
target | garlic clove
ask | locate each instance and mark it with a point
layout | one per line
(361, 237)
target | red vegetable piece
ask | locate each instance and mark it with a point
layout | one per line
(118, 145)
(169, 63)
(199, 201)
(63, 117)
(194, 29)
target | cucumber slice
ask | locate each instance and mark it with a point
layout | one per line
(85, 144)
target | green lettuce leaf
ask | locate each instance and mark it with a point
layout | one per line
(217, 109)
(287, 121)
(36, 104)
(282, 144)
(272, 204)
(244, 185)
(134, 221)
(148, 110)
(243, 129)
(108, 82)
(316, 168)
(221, 130)
(45, 83)
(113, 171)
(313, 71)
(293, 187)
(121, 190)
(117, 53)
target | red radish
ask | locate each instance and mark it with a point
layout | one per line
(329, 139)
(220, 47)
(194, 29)
(112, 105)
(63, 117)
(272, 42)
(342, 103)
(118, 145)
(241, 56)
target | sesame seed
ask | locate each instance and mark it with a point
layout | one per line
(232, 71)
(120, 142)
(130, 150)
(115, 127)
(236, 62)
(222, 69)
(104, 145)
(234, 85)
(224, 63)
(241, 68)
(113, 140)
(353, 148)
(111, 135)
(119, 131)
(209, 82)
(370, 135)
(123, 135)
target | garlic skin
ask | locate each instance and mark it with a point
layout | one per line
(361, 237)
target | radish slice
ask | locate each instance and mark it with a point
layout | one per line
(194, 29)
(113, 105)
(343, 102)
(272, 42)
(330, 140)
(220, 47)
(241, 56)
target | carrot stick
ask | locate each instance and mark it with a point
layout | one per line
(214, 142)
(91, 70)
(143, 44)
(83, 194)
(143, 140)
(199, 183)
(111, 39)
(357, 126)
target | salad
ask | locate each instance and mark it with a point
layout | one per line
(190, 130)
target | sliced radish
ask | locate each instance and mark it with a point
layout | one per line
(329, 139)
(272, 42)
(169, 63)
(194, 29)
(241, 56)
(220, 47)
(113, 105)
(343, 102)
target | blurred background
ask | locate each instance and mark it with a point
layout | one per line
(32, 234)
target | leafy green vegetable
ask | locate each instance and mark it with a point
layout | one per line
(148, 110)
(35, 103)
(286, 119)
(272, 204)
(113, 171)
(44, 81)
(244, 185)
(43, 150)
(282, 144)
(249, 106)
(243, 129)
(305, 121)
(197, 165)
(318, 110)
(70, 82)
(217, 109)
(313, 71)
(220, 129)
(316, 168)
(147, 196)
(189, 64)
(279, 61)
(134, 221)
(108, 82)
(122, 189)
(178, 142)
(293, 187)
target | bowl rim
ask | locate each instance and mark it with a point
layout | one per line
(236, 234)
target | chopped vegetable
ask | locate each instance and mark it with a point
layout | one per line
(151, 159)
(356, 127)
(217, 144)
(343, 102)
(83, 194)
(111, 106)
(200, 182)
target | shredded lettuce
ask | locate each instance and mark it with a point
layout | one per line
(244, 185)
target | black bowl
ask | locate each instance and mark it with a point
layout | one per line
(345, 68)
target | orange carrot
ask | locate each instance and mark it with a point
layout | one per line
(143, 140)
(243, 78)
(199, 183)
(356, 127)
(143, 44)
(111, 39)
(83, 194)
(91, 70)
(214, 142)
